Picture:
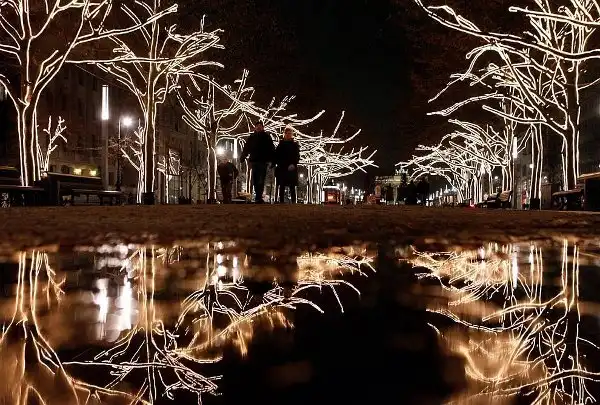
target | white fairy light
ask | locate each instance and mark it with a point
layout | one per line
(53, 138)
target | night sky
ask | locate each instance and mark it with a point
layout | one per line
(379, 60)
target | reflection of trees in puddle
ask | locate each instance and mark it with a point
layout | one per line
(153, 351)
(225, 295)
(517, 335)
(31, 370)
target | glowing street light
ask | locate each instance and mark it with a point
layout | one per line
(127, 121)
(220, 151)
(105, 115)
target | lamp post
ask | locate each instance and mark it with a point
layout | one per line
(515, 155)
(126, 122)
(105, 115)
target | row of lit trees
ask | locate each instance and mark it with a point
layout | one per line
(529, 83)
(138, 44)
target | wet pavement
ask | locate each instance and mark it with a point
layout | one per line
(226, 322)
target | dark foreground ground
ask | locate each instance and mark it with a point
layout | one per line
(278, 226)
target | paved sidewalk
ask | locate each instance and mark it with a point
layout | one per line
(278, 226)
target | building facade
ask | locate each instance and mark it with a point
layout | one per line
(75, 95)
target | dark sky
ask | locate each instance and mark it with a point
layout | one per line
(378, 60)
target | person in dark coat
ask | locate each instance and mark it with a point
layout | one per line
(411, 193)
(287, 157)
(260, 151)
(227, 174)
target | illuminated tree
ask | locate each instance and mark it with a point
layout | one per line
(544, 66)
(150, 64)
(324, 158)
(131, 147)
(52, 137)
(169, 165)
(26, 30)
(216, 116)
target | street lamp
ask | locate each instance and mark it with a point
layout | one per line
(105, 115)
(220, 151)
(126, 122)
(515, 155)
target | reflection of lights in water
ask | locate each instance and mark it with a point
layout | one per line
(125, 306)
(223, 311)
(101, 299)
(236, 303)
(529, 346)
(514, 270)
(32, 371)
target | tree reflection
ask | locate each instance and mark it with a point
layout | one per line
(154, 342)
(227, 307)
(32, 372)
(520, 334)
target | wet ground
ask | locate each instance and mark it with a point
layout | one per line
(229, 321)
(281, 226)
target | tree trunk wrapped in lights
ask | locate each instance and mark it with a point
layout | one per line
(26, 31)
(131, 147)
(53, 137)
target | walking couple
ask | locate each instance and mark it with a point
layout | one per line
(261, 153)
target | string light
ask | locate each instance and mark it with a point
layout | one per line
(53, 139)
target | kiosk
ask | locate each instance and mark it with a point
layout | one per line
(332, 195)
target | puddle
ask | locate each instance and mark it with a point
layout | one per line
(222, 323)
(525, 319)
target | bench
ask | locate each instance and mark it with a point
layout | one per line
(12, 193)
(568, 200)
(500, 200)
(63, 188)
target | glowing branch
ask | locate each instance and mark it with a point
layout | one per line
(52, 143)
